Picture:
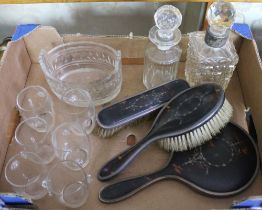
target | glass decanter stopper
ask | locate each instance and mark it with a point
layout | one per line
(162, 53)
(211, 56)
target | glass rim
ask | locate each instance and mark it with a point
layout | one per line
(62, 163)
(24, 122)
(68, 203)
(37, 178)
(77, 44)
(84, 44)
(32, 87)
(54, 134)
(87, 94)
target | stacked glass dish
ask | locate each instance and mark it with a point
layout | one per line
(53, 139)
(53, 136)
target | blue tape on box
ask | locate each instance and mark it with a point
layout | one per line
(11, 199)
(242, 30)
(15, 201)
(22, 30)
(250, 203)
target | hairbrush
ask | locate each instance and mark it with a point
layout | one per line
(135, 109)
(188, 120)
(224, 166)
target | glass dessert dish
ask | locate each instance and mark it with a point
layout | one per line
(84, 116)
(75, 68)
(36, 145)
(34, 102)
(26, 176)
(73, 189)
(71, 143)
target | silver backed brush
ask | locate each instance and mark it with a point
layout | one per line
(188, 120)
(137, 108)
(206, 131)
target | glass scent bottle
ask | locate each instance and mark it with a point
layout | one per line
(211, 55)
(162, 52)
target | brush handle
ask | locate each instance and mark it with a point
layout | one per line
(122, 160)
(121, 190)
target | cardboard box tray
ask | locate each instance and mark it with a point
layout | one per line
(20, 68)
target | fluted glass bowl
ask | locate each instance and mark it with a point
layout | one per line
(75, 69)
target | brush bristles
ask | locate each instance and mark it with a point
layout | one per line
(200, 135)
(107, 133)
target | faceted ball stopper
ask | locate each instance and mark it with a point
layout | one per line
(221, 14)
(165, 34)
(168, 17)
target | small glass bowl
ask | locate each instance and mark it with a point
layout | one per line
(26, 176)
(71, 143)
(73, 189)
(34, 102)
(36, 145)
(75, 68)
(85, 116)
